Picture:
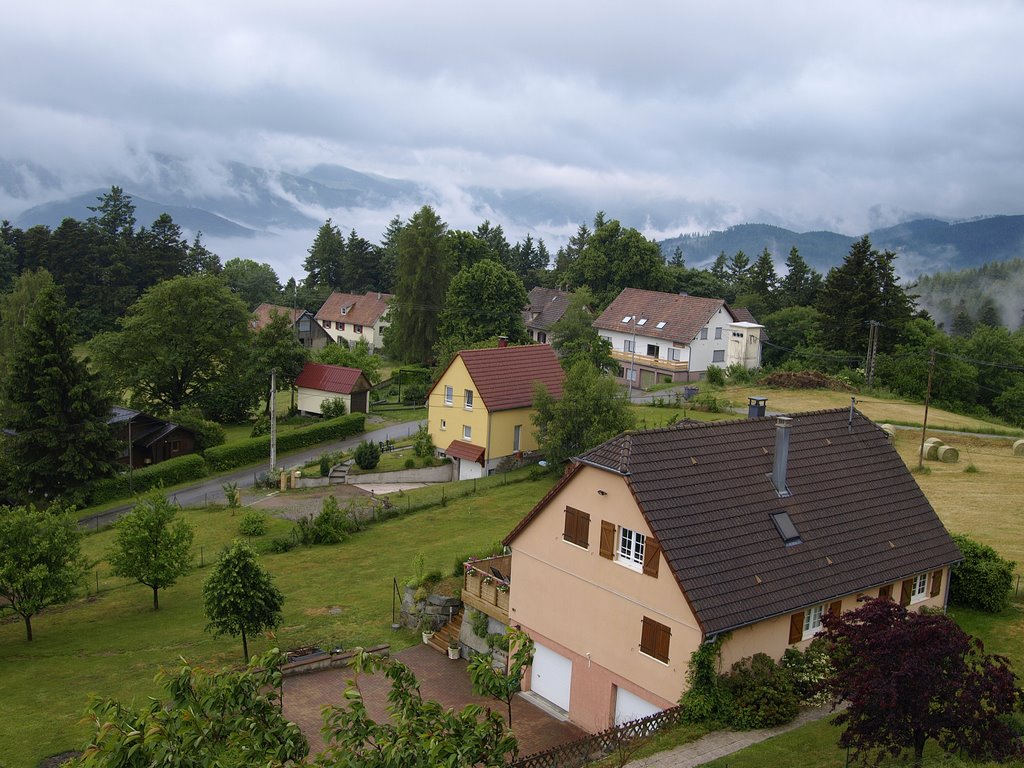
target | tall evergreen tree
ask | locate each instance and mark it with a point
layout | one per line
(497, 247)
(763, 283)
(800, 286)
(326, 261)
(361, 265)
(423, 275)
(568, 255)
(389, 255)
(56, 407)
(200, 260)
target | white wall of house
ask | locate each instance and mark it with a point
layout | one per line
(713, 349)
(744, 345)
(309, 400)
(349, 335)
(680, 352)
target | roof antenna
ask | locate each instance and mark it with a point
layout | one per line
(853, 401)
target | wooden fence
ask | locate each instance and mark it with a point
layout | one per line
(588, 749)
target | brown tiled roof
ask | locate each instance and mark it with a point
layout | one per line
(264, 312)
(467, 451)
(683, 316)
(706, 492)
(504, 376)
(332, 378)
(360, 309)
(545, 308)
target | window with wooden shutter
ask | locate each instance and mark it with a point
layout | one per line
(654, 639)
(906, 588)
(577, 527)
(796, 627)
(607, 540)
(652, 554)
(936, 583)
(885, 592)
(835, 608)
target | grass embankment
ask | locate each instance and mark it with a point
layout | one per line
(112, 644)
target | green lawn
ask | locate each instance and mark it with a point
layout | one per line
(649, 417)
(111, 644)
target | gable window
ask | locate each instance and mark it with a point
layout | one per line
(467, 432)
(577, 527)
(469, 399)
(718, 356)
(449, 395)
(718, 333)
(175, 446)
(631, 548)
(704, 333)
(542, 337)
(654, 639)
(327, 323)
(356, 328)
(341, 326)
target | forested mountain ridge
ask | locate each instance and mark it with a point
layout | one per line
(992, 294)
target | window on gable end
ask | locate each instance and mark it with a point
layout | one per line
(577, 527)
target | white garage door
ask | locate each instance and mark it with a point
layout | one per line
(629, 707)
(551, 676)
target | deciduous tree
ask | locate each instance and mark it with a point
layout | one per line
(151, 545)
(484, 300)
(911, 677)
(503, 685)
(239, 596)
(40, 559)
(575, 338)
(252, 282)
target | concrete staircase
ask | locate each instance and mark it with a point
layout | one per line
(338, 473)
(450, 630)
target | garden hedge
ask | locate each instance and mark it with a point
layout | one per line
(166, 473)
(255, 449)
(983, 580)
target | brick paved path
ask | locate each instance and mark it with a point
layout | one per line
(440, 678)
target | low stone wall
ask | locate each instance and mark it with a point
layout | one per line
(443, 474)
(310, 482)
(438, 608)
(328, 660)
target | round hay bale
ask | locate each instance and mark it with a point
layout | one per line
(947, 454)
(933, 441)
(889, 429)
(1018, 448)
(931, 451)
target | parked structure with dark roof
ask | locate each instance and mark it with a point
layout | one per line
(545, 307)
(149, 439)
(657, 541)
(308, 331)
(664, 337)
(479, 410)
(348, 317)
(319, 382)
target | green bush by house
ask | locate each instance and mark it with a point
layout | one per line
(255, 449)
(983, 580)
(166, 473)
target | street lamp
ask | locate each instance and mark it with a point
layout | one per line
(632, 361)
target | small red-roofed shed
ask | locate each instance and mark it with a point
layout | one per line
(319, 382)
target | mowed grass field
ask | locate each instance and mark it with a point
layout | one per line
(111, 644)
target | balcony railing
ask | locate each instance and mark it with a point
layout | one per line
(647, 361)
(486, 586)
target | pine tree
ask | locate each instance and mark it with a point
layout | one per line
(56, 407)
(800, 286)
(326, 261)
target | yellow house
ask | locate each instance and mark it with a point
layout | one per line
(658, 541)
(479, 410)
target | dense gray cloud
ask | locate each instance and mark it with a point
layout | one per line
(809, 115)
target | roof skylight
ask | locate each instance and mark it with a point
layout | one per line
(790, 535)
(642, 321)
(660, 325)
(627, 318)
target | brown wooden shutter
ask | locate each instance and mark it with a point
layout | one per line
(835, 608)
(796, 627)
(936, 583)
(583, 529)
(652, 552)
(664, 639)
(885, 592)
(655, 639)
(905, 591)
(569, 533)
(607, 540)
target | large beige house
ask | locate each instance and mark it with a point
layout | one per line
(349, 317)
(658, 541)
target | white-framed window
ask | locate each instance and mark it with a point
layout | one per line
(704, 332)
(444, 425)
(449, 395)
(919, 591)
(356, 328)
(628, 345)
(469, 399)
(718, 356)
(673, 354)
(812, 620)
(542, 337)
(467, 432)
(631, 548)
(327, 323)
(718, 333)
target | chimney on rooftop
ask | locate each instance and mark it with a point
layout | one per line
(782, 427)
(502, 342)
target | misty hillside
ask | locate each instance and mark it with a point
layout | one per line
(969, 291)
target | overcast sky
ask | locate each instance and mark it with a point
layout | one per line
(809, 114)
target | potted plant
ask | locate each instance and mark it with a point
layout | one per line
(453, 649)
(426, 628)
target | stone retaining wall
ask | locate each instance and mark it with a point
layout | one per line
(437, 608)
(443, 474)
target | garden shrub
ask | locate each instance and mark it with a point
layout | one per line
(410, 463)
(705, 401)
(705, 699)
(367, 455)
(261, 426)
(166, 473)
(737, 373)
(481, 623)
(332, 525)
(208, 433)
(253, 523)
(804, 380)
(715, 376)
(280, 544)
(333, 407)
(810, 669)
(423, 443)
(761, 693)
(983, 580)
(325, 466)
(256, 449)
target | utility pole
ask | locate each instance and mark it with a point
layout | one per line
(273, 419)
(872, 351)
(632, 363)
(927, 400)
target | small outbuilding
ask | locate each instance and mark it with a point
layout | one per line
(319, 382)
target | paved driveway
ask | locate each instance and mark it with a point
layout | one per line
(440, 678)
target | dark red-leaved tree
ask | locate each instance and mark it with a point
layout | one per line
(908, 677)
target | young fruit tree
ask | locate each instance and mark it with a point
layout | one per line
(40, 559)
(908, 677)
(503, 685)
(151, 546)
(240, 597)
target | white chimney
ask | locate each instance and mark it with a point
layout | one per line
(782, 427)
